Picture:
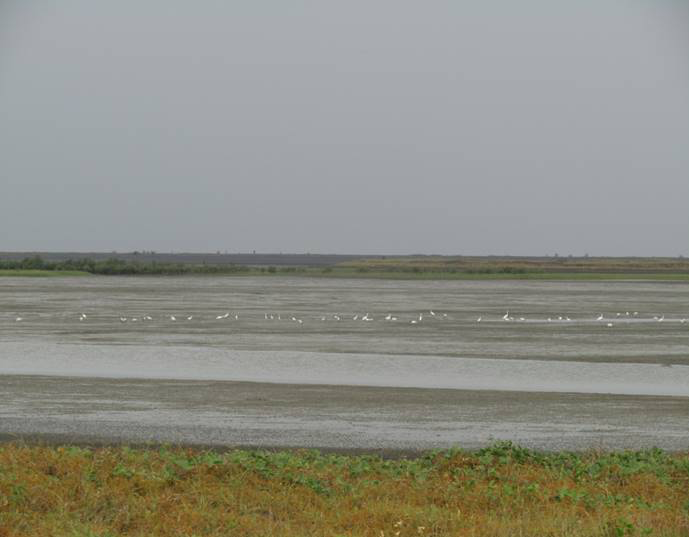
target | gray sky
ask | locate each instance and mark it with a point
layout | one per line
(358, 126)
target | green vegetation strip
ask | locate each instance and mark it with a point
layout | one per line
(375, 269)
(502, 490)
(42, 273)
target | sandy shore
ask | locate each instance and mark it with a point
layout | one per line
(225, 414)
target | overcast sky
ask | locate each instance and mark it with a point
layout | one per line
(358, 126)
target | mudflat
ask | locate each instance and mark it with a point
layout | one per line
(340, 418)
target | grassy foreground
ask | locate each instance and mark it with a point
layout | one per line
(503, 490)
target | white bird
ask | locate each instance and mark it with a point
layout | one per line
(294, 318)
(134, 319)
(123, 319)
(522, 319)
(355, 317)
(444, 315)
(336, 317)
(190, 317)
(323, 318)
(432, 313)
(479, 319)
(506, 317)
(600, 317)
(661, 318)
(173, 318)
(388, 316)
(148, 318)
(265, 316)
(413, 321)
(82, 317)
(300, 321)
(236, 316)
(366, 318)
(609, 325)
(19, 319)
(420, 317)
(393, 318)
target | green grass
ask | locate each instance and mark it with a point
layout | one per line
(42, 273)
(503, 490)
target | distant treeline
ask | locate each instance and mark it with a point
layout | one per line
(114, 266)
(412, 269)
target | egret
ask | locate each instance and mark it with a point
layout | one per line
(173, 318)
(432, 313)
(600, 317)
(478, 320)
(388, 316)
(19, 319)
(123, 319)
(609, 325)
(190, 317)
(506, 317)
(355, 317)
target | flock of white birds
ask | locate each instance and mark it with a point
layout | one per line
(608, 321)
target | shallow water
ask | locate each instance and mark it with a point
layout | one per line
(637, 355)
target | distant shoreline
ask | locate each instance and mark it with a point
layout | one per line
(344, 273)
(347, 266)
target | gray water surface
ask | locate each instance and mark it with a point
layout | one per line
(286, 331)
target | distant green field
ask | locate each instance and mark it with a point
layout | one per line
(346, 272)
(41, 273)
(432, 275)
